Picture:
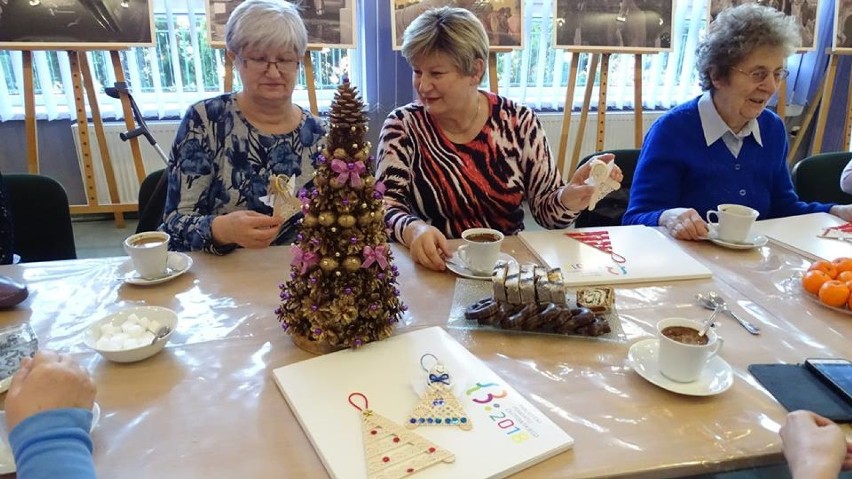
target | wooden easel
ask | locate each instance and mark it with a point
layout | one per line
(601, 58)
(827, 90)
(822, 97)
(492, 72)
(81, 77)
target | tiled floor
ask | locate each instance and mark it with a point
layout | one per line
(97, 237)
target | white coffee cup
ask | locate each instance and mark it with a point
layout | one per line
(149, 252)
(481, 249)
(734, 222)
(683, 362)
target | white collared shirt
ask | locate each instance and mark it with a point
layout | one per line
(715, 127)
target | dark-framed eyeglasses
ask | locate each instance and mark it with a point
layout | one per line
(258, 65)
(759, 75)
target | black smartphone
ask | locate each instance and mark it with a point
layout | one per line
(835, 373)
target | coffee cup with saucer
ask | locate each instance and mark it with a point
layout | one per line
(716, 377)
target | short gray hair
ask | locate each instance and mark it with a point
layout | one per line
(736, 32)
(454, 32)
(266, 25)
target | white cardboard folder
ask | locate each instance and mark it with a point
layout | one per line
(509, 433)
(648, 256)
(801, 234)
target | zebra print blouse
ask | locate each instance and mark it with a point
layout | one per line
(482, 183)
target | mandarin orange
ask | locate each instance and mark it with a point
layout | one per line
(834, 293)
(812, 280)
(843, 264)
(827, 267)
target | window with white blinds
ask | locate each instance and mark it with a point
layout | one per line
(164, 79)
(538, 74)
(182, 68)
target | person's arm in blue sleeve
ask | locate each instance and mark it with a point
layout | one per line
(53, 444)
(48, 411)
(656, 182)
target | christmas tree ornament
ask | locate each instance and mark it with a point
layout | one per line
(599, 178)
(341, 246)
(438, 405)
(390, 450)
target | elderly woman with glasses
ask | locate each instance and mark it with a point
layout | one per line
(228, 147)
(460, 157)
(724, 146)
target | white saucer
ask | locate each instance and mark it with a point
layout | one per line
(178, 264)
(7, 459)
(755, 241)
(716, 378)
(456, 267)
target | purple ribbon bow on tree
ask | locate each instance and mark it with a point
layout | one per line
(304, 259)
(348, 171)
(375, 255)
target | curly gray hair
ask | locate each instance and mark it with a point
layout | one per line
(455, 32)
(266, 25)
(736, 32)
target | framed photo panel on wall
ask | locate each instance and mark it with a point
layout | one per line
(613, 25)
(843, 26)
(803, 11)
(79, 24)
(502, 19)
(330, 23)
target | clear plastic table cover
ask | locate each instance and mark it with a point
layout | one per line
(207, 405)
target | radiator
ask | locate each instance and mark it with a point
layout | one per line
(122, 158)
(618, 134)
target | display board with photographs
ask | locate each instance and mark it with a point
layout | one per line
(69, 25)
(614, 26)
(502, 19)
(330, 23)
(843, 26)
(803, 11)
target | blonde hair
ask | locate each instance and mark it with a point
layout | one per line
(454, 32)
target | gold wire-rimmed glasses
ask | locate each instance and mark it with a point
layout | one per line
(759, 75)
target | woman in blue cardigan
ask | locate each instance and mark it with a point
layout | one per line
(724, 146)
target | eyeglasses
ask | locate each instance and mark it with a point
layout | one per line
(759, 75)
(262, 66)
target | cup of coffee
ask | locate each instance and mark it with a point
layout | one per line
(734, 222)
(683, 353)
(149, 252)
(481, 249)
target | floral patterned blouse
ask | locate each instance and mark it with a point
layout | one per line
(221, 163)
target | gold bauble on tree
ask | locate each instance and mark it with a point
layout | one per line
(342, 291)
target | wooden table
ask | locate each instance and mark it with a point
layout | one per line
(207, 406)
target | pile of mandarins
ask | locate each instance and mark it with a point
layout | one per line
(831, 281)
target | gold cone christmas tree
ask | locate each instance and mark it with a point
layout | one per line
(342, 287)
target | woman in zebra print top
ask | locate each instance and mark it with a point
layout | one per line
(463, 158)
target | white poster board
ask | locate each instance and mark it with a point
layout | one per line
(508, 434)
(801, 234)
(648, 254)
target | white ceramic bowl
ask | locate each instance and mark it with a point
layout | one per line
(164, 316)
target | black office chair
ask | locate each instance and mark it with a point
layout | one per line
(817, 177)
(152, 201)
(609, 210)
(41, 218)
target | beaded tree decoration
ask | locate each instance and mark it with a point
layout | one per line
(342, 288)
